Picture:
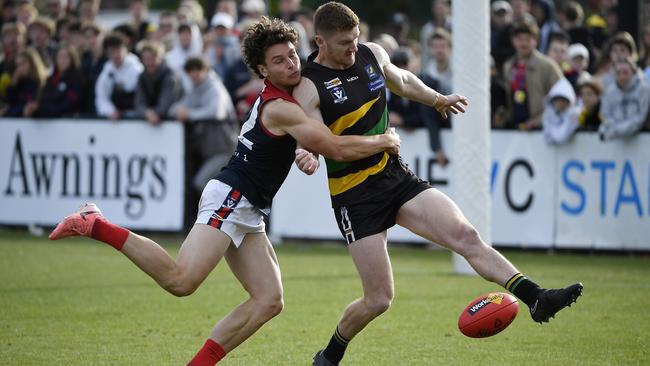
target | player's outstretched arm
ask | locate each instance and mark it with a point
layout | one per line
(315, 136)
(406, 84)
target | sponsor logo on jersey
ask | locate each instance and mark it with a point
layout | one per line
(355, 77)
(370, 70)
(491, 298)
(339, 95)
(332, 83)
(376, 84)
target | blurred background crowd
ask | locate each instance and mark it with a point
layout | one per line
(557, 66)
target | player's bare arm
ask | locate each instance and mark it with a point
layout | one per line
(404, 83)
(282, 117)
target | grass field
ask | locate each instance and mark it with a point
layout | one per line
(77, 302)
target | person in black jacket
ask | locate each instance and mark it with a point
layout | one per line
(63, 89)
(26, 85)
(158, 86)
(92, 63)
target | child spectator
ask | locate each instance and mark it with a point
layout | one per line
(41, 36)
(115, 88)
(439, 65)
(625, 103)
(559, 120)
(165, 33)
(62, 93)
(158, 86)
(210, 128)
(620, 46)
(589, 117)
(579, 60)
(13, 42)
(26, 85)
(92, 63)
(26, 12)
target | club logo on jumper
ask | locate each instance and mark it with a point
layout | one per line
(349, 80)
(332, 83)
(370, 70)
(339, 95)
(490, 298)
(229, 203)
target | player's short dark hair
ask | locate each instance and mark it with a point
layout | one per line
(114, 40)
(334, 17)
(195, 64)
(262, 35)
(525, 27)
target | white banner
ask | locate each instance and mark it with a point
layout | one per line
(522, 189)
(587, 194)
(604, 193)
(133, 171)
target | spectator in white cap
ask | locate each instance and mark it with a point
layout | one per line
(221, 20)
(223, 49)
(501, 5)
(501, 18)
(579, 60)
(253, 9)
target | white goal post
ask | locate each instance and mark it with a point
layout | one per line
(470, 157)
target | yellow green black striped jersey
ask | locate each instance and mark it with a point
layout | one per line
(352, 102)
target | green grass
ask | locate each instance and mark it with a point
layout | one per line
(77, 302)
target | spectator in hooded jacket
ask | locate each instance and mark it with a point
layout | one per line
(560, 120)
(625, 103)
(115, 88)
(620, 46)
(210, 128)
(544, 13)
(26, 85)
(158, 86)
(62, 93)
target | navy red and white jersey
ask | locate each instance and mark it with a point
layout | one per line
(262, 160)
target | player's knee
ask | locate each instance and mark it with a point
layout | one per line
(467, 240)
(270, 306)
(181, 289)
(378, 305)
(180, 285)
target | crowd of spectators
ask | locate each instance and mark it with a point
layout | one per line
(553, 62)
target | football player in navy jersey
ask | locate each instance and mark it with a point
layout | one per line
(230, 220)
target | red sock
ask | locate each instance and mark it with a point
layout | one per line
(208, 355)
(109, 233)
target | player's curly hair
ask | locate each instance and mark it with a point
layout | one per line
(262, 35)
